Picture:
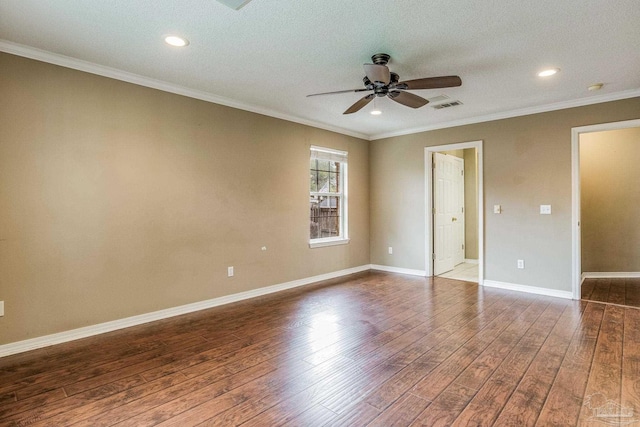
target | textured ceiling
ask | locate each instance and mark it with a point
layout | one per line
(270, 54)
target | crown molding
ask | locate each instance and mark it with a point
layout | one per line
(516, 113)
(113, 73)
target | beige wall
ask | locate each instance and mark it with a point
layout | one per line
(119, 200)
(527, 162)
(610, 198)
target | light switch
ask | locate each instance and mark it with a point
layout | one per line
(545, 209)
(497, 209)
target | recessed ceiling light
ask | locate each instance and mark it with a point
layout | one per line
(376, 112)
(548, 72)
(176, 41)
(596, 86)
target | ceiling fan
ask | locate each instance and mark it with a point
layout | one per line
(383, 82)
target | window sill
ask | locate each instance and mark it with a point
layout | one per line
(328, 242)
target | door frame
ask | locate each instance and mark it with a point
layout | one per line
(576, 238)
(428, 178)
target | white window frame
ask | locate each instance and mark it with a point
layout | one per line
(335, 156)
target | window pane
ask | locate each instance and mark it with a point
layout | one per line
(323, 181)
(334, 182)
(323, 165)
(325, 217)
(333, 166)
(315, 217)
(313, 180)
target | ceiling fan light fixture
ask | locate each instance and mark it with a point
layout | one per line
(375, 111)
(176, 41)
(383, 83)
(548, 72)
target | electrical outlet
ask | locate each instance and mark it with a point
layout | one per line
(497, 209)
(520, 263)
(230, 271)
(390, 250)
(1, 308)
(545, 209)
(264, 248)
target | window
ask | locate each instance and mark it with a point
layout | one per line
(328, 197)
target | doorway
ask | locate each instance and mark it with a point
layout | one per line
(579, 274)
(454, 217)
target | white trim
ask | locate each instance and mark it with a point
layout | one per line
(398, 270)
(330, 151)
(616, 96)
(428, 161)
(333, 241)
(576, 243)
(88, 331)
(471, 261)
(610, 274)
(528, 289)
(113, 73)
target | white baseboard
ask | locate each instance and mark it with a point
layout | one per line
(610, 274)
(88, 331)
(471, 261)
(528, 289)
(398, 270)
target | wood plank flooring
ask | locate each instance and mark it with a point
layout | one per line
(621, 291)
(373, 349)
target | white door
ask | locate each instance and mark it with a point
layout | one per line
(448, 221)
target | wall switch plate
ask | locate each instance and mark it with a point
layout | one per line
(390, 250)
(229, 271)
(520, 263)
(1, 308)
(497, 209)
(545, 209)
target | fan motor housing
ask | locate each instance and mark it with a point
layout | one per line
(380, 58)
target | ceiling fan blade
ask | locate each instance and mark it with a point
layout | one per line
(361, 103)
(408, 99)
(430, 83)
(377, 73)
(339, 91)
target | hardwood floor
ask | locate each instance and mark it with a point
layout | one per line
(372, 349)
(621, 291)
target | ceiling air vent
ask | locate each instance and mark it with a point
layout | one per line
(446, 105)
(438, 98)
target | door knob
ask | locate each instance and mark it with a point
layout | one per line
(454, 219)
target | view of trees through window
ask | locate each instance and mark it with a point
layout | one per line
(325, 198)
